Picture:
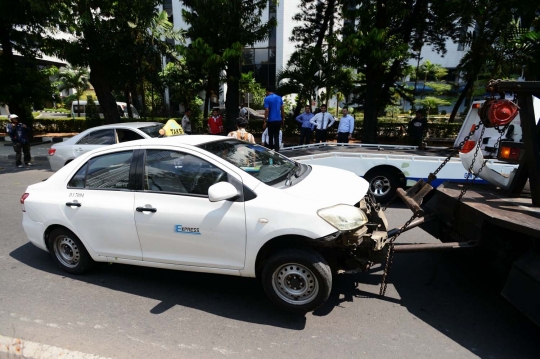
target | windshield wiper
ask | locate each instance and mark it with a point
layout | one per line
(295, 171)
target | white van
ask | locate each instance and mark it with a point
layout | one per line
(122, 108)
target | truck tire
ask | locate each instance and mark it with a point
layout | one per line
(69, 252)
(383, 183)
(297, 279)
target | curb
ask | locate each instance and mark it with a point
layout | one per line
(34, 158)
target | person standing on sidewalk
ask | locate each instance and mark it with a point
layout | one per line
(346, 127)
(19, 135)
(215, 123)
(241, 133)
(307, 127)
(186, 122)
(417, 129)
(322, 121)
(274, 114)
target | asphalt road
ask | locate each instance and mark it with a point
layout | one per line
(437, 306)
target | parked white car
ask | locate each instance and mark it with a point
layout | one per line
(62, 153)
(207, 204)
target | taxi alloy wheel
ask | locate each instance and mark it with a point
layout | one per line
(297, 279)
(69, 252)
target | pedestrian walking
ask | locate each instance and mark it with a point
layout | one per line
(306, 128)
(346, 127)
(215, 123)
(417, 129)
(186, 122)
(241, 133)
(20, 137)
(265, 139)
(274, 114)
(322, 122)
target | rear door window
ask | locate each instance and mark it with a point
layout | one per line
(125, 135)
(110, 171)
(99, 137)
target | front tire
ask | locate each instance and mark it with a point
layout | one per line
(299, 279)
(68, 251)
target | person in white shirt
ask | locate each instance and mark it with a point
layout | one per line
(265, 139)
(241, 133)
(186, 122)
(346, 127)
(322, 121)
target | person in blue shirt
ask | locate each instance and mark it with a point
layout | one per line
(307, 127)
(346, 127)
(19, 135)
(274, 114)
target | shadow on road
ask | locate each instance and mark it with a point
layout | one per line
(445, 290)
(9, 167)
(230, 297)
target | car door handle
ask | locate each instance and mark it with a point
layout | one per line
(73, 204)
(146, 209)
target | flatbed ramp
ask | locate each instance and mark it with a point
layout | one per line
(484, 206)
(332, 149)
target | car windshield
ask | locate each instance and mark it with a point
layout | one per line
(152, 131)
(265, 165)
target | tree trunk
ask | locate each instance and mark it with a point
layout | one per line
(231, 101)
(206, 103)
(461, 97)
(369, 132)
(103, 89)
(128, 101)
(143, 99)
(78, 107)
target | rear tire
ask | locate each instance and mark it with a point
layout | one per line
(69, 252)
(297, 279)
(383, 183)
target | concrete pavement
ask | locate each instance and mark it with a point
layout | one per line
(39, 153)
(438, 305)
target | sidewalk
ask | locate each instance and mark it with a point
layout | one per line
(39, 152)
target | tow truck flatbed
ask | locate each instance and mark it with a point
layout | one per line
(482, 208)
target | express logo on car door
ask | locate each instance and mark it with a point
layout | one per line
(186, 230)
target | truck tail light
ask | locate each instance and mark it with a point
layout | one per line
(23, 198)
(52, 151)
(511, 152)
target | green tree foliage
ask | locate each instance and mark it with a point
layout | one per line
(222, 29)
(23, 84)
(432, 102)
(493, 40)
(379, 38)
(116, 40)
(75, 78)
(250, 87)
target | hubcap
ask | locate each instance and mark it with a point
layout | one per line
(380, 186)
(67, 251)
(295, 284)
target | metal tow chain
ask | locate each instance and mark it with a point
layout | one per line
(432, 176)
(471, 174)
(390, 256)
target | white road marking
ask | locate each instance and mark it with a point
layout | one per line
(28, 349)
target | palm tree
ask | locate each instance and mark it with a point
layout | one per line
(75, 78)
(429, 68)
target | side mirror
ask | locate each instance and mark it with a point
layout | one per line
(221, 191)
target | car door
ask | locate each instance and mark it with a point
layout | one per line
(95, 139)
(175, 220)
(98, 202)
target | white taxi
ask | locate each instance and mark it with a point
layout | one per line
(205, 204)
